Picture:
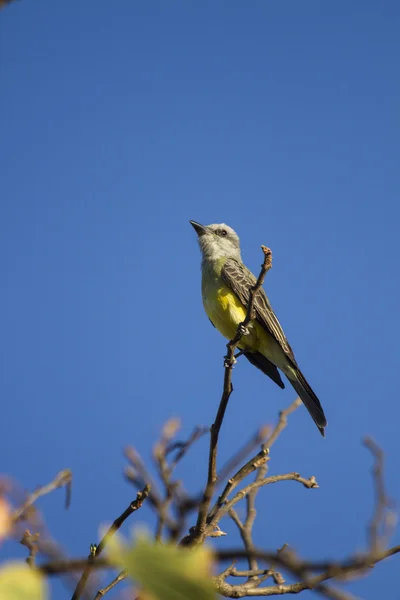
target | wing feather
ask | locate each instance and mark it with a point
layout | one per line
(241, 280)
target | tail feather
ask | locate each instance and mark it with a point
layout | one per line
(258, 360)
(308, 397)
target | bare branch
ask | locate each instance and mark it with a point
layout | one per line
(245, 529)
(287, 560)
(252, 465)
(165, 472)
(97, 550)
(63, 479)
(284, 559)
(30, 540)
(139, 476)
(101, 593)
(224, 509)
(379, 528)
(257, 461)
(4, 3)
(183, 447)
(258, 438)
(282, 423)
(335, 594)
(249, 572)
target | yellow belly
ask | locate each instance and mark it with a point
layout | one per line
(226, 312)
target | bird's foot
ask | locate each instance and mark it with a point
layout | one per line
(229, 362)
(243, 330)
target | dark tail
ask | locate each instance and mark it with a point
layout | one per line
(308, 397)
(258, 360)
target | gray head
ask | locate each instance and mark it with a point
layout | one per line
(217, 241)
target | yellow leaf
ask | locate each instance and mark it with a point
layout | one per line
(165, 571)
(5, 518)
(20, 582)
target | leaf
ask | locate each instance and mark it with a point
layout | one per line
(5, 518)
(165, 571)
(20, 582)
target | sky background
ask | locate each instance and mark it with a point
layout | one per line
(120, 122)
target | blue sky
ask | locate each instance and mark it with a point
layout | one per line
(119, 123)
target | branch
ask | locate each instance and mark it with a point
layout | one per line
(257, 461)
(183, 447)
(138, 475)
(5, 2)
(284, 560)
(198, 535)
(381, 518)
(222, 510)
(97, 550)
(165, 473)
(64, 478)
(335, 594)
(287, 560)
(254, 463)
(258, 438)
(246, 528)
(282, 423)
(250, 589)
(123, 575)
(30, 540)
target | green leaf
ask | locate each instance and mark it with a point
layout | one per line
(20, 582)
(165, 571)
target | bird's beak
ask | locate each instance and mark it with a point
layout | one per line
(200, 229)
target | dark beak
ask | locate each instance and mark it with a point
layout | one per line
(200, 229)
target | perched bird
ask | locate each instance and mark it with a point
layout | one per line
(226, 284)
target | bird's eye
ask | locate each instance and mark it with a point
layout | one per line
(223, 232)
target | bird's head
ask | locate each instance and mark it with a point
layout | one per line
(217, 241)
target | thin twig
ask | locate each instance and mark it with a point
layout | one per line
(30, 540)
(257, 461)
(183, 447)
(97, 550)
(245, 530)
(282, 422)
(258, 438)
(224, 509)
(140, 476)
(329, 571)
(379, 517)
(227, 390)
(5, 2)
(254, 463)
(232, 572)
(101, 593)
(165, 473)
(335, 594)
(286, 560)
(63, 479)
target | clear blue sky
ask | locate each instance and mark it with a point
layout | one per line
(119, 123)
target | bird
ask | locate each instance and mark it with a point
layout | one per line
(226, 284)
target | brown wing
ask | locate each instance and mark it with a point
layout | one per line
(240, 280)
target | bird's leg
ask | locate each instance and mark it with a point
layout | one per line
(229, 362)
(243, 330)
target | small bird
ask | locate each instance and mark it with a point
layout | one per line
(226, 284)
